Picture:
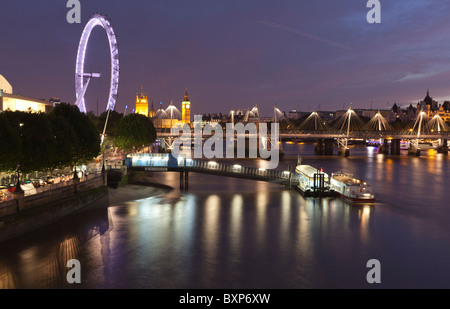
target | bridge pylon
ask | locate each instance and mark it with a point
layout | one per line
(349, 122)
(414, 148)
(343, 149)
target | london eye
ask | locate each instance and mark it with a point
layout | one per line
(83, 78)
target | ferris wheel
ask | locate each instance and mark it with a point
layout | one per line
(83, 78)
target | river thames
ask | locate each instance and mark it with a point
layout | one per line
(232, 233)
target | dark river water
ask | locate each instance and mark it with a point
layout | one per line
(233, 233)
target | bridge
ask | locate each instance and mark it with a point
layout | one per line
(310, 183)
(151, 162)
(348, 127)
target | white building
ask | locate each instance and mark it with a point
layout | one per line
(14, 102)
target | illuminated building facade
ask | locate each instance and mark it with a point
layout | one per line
(142, 104)
(151, 114)
(14, 102)
(432, 108)
(428, 105)
(186, 110)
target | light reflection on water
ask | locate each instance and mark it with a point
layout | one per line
(234, 233)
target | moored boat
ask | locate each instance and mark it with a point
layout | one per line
(351, 189)
(313, 182)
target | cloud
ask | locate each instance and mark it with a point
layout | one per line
(416, 76)
(304, 34)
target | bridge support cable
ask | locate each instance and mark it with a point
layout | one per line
(414, 148)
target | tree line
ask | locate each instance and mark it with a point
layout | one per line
(38, 141)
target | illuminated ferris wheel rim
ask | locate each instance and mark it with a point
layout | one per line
(103, 21)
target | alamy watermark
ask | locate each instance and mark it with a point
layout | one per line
(374, 274)
(74, 14)
(374, 15)
(250, 140)
(74, 274)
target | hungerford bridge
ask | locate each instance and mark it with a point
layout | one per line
(348, 127)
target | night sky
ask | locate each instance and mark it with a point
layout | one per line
(227, 54)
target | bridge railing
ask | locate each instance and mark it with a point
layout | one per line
(237, 169)
(162, 160)
(299, 133)
(404, 134)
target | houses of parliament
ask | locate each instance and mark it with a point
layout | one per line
(162, 117)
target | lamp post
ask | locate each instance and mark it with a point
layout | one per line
(18, 188)
(103, 161)
(75, 174)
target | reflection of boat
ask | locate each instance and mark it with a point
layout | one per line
(352, 189)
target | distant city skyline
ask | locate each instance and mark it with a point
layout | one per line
(234, 54)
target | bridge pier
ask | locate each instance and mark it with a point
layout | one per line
(319, 149)
(324, 147)
(384, 148)
(395, 147)
(186, 180)
(413, 149)
(329, 145)
(343, 152)
(443, 148)
(414, 152)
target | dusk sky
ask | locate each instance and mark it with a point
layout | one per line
(227, 54)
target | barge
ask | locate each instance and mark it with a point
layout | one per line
(351, 189)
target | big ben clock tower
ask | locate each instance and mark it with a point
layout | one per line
(186, 109)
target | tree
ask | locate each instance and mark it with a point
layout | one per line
(112, 125)
(38, 144)
(10, 145)
(94, 119)
(65, 138)
(135, 131)
(87, 144)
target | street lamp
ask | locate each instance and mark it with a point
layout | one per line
(75, 174)
(103, 161)
(18, 188)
